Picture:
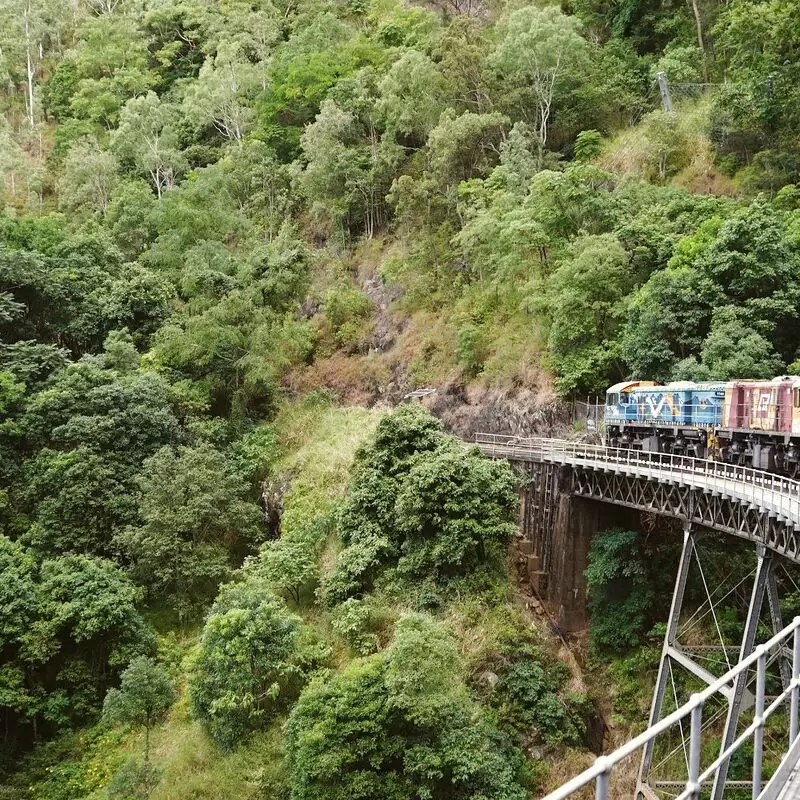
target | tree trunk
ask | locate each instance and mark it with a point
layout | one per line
(29, 66)
(698, 21)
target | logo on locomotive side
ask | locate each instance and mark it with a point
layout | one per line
(657, 403)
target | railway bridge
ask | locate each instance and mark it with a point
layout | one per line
(571, 490)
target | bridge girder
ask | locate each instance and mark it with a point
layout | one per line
(704, 508)
(770, 533)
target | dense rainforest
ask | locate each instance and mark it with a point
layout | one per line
(233, 235)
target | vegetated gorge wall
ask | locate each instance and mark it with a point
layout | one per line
(557, 531)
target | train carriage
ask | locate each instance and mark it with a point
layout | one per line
(761, 420)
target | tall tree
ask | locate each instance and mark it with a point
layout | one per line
(349, 168)
(586, 307)
(147, 136)
(195, 518)
(144, 696)
(247, 665)
(537, 47)
(112, 65)
(224, 91)
(411, 96)
(90, 175)
(28, 29)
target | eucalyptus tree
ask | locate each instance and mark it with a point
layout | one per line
(537, 48)
(30, 30)
(147, 137)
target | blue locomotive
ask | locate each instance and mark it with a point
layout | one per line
(672, 418)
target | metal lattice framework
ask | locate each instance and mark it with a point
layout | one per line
(698, 772)
(749, 503)
(760, 507)
(699, 506)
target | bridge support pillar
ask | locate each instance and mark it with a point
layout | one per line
(764, 583)
(577, 520)
(670, 640)
(673, 656)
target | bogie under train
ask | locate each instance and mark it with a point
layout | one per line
(748, 422)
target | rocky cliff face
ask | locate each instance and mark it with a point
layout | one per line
(517, 411)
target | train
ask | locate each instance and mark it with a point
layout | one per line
(752, 423)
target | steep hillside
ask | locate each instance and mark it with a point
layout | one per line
(234, 236)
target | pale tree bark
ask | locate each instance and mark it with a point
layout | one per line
(544, 84)
(101, 7)
(232, 117)
(29, 64)
(698, 21)
(161, 172)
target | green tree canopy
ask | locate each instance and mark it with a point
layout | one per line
(732, 350)
(395, 725)
(620, 594)
(587, 306)
(537, 47)
(144, 696)
(419, 499)
(195, 517)
(68, 625)
(247, 664)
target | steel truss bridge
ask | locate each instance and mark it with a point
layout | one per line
(759, 507)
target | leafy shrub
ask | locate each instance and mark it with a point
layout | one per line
(249, 662)
(347, 311)
(525, 685)
(357, 566)
(471, 349)
(419, 500)
(455, 510)
(286, 564)
(532, 697)
(620, 592)
(134, 780)
(195, 510)
(68, 766)
(588, 145)
(360, 623)
(632, 680)
(395, 725)
(289, 563)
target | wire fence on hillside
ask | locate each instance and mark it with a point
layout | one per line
(588, 415)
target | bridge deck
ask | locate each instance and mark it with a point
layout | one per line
(792, 789)
(772, 494)
(766, 499)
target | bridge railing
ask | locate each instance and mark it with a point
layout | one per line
(698, 776)
(763, 490)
